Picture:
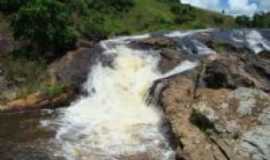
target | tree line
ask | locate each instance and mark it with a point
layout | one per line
(55, 25)
(259, 20)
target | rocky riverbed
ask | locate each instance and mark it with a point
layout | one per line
(212, 90)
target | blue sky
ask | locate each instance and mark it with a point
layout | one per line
(232, 7)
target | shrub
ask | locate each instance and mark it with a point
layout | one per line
(53, 90)
(111, 5)
(218, 20)
(261, 20)
(11, 5)
(94, 28)
(184, 13)
(47, 24)
(243, 21)
(198, 25)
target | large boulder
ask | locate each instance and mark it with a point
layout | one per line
(40, 100)
(7, 44)
(221, 123)
(74, 67)
(232, 70)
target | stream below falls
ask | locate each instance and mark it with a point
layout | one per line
(112, 123)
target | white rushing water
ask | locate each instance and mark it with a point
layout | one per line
(114, 122)
(252, 39)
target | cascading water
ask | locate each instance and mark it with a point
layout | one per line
(114, 122)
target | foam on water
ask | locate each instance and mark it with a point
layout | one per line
(115, 120)
(252, 39)
(184, 66)
(181, 34)
(257, 42)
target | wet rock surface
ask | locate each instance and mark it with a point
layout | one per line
(220, 110)
(41, 100)
(6, 44)
(73, 68)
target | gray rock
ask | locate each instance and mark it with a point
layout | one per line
(264, 118)
(73, 68)
(248, 100)
(257, 143)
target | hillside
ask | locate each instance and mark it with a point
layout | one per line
(132, 80)
(160, 15)
(156, 15)
(142, 16)
(90, 20)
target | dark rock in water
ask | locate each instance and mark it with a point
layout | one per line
(224, 74)
(157, 42)
(5, 44)
(74, 67)
(220, 109)
(170, 59)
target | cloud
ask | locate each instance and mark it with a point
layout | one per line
(232, 7)
(206, 4)
(263, 5)
(240, 7)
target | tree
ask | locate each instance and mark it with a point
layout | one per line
(46, 24)
(111, 5)
(11, 5)
(243, 21)
(261, 20)
(218, 20)
(183, 13)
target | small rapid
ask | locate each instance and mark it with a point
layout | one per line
(118, 119)
(114, 122)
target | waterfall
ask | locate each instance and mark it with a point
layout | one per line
(114, 122)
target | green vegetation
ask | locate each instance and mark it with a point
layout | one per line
(52, 25)
(46, 24)
(259, 20)
(243, 21)
(45, 29)
(11, 5)
(23, 74)
(27, 76)
(53, 90)
(149, 16)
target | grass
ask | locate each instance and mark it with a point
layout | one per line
(53, 90)
(28, 76)
(156, 15)
(145, 16)
(3, 24)
(23, 74)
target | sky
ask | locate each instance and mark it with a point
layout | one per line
(232, 7)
